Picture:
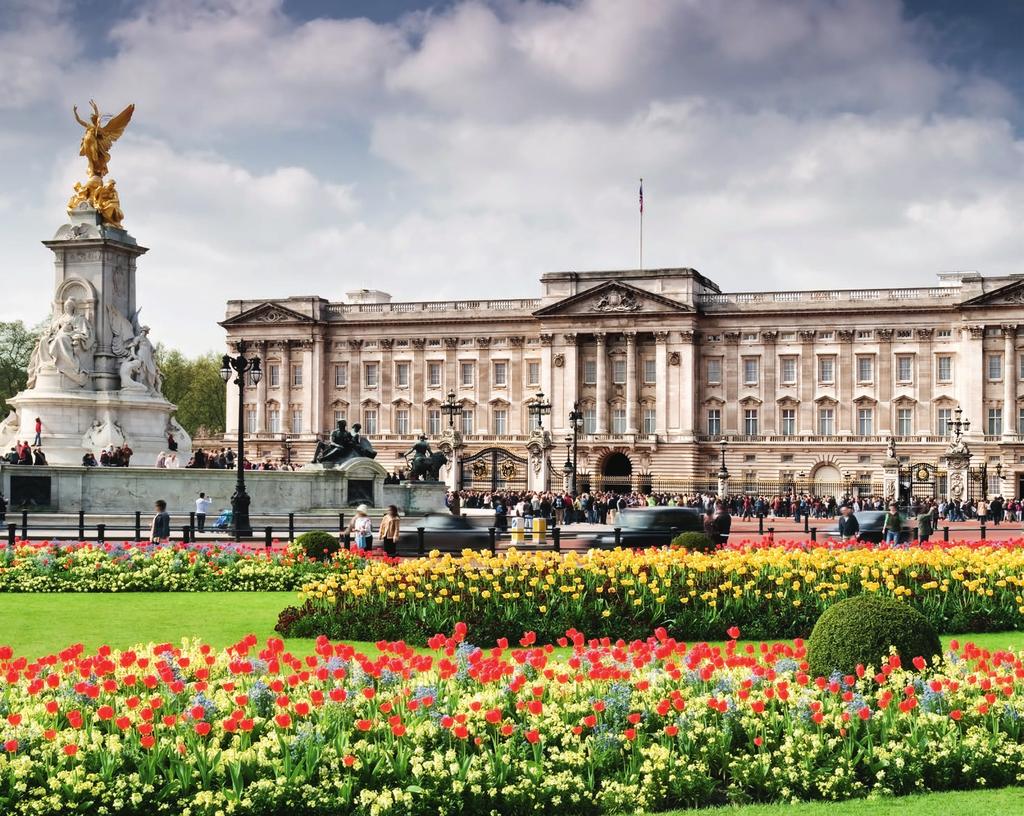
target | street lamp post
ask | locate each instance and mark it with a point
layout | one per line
(240, 366)
(569, 469)
(539, 409)
(576, 421)
(450, 409)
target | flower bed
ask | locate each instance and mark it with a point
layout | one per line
(607, 727)
(771, 592)
(130, 567)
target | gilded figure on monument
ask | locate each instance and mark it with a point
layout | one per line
(97, 140)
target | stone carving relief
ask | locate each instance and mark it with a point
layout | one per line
(483, 342)
(451, 342)
(104, 433)
(925, 334)
(617, 300)
(807, 336)
(355, 344)
(687, 336)
(387, 343)
(272, 316)
(66, 345)
(558, 360)
(418, 342)
(518, 340)
(1016, 296)
(673, 358)
(138, 368)
(845, 335)
(546, 339)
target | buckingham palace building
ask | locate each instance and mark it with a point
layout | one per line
(807, 387)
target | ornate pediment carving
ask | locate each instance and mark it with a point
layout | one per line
(613, 298)
(267, 313)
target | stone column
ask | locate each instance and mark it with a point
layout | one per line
(286, 386)
(631, 374)
(601, 400)
(260, 347)
(417, 416)
(1009, 382)
(570, 384)
(924, 414)
(885, 382)
(688, 377)
(970, 375)
(661, 382)
(387, 377)
(483, 386)
(846, 422)
(957, 475)
(316, 385)
(355, 381)
(516, 384)
(731, 421)
(770, 407)
(808, 377)
(891, 480)
(451, 374)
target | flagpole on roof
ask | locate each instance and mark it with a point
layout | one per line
(641, 266)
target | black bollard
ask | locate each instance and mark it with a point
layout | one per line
(420, 541)
(268, 537)
(24, 524)
(807, 522)
(291, 526)
(12, 534)
(101, 533)
(138, 525)
(618, 536)
(556, 538)
(814, 533)
(192, 526)
(945, 533)
(760, 525)
(494, 539)
(186, 534)
(81, 525)
(983, 530)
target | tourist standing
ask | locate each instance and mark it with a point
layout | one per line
(925, 523)
(722, 523)
(39, 433)
(389, 531)
(362, 528)
(849, 527)
(160, 528)
(202, 508)
(892, 526)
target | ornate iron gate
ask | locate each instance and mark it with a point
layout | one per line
(921, 481)
(493, 469)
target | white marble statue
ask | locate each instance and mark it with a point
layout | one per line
(138, 369)
(65, 345)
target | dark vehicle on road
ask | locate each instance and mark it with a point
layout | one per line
(444, 532)
(650, 527)
(871, 522)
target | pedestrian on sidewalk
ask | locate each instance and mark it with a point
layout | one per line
(202, 508)
(39, 433)
(389, 531)
(160, 528)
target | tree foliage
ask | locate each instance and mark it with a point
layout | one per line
(16, 344)
(195, 386)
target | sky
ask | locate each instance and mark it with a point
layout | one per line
(461, 149)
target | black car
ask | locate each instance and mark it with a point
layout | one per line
(871, 522)
(650, 527)
(441, 531)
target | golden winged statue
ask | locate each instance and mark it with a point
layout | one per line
(96, 143)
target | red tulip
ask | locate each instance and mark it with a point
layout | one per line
(11, 746)
(283, 720)
(364, 725)
(533, 737)
(956, 714)
(147, 741)
(105, 712)
(734, 632)
(70, 750)
(348, 760)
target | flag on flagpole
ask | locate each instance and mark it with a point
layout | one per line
(641, 195)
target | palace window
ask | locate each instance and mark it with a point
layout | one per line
(501, 373)
(500, 421)
(341, 375)
(434, 375)
(943, 416)
(619, 370)
(372, 372)
(944, 368)
(826, 335)
(714, 371)
(297, 374)
(904, 368)
(865, 421)
(650, 420)
(296, 420)
(590, 420)
(650, 371)
(402, 375)
(944, 334)
(466, 373)
(995, 421)
(402, 420)
(750, 421)
(274, 420)
(904, 421)
(865, 369)
(994, 366)
(433, 421)
(788, 421)
(865, 334)
(1020, 421)
(789, 371)
(618, 420)
(750, 372)
(590, 372)
(274, 375)
(750, 336)
(826, 421)
(714, 422)
(250, 420)
(339, 416)
(904, 334)
(533, 373)
(1020, 367)
(787, 336)
(370, 421)
(467, 420)
(826, 369)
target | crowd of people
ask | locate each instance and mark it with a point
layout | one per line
(24, 454)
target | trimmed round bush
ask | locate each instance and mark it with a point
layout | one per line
(861, 629)
(693, 541)
(318, 544)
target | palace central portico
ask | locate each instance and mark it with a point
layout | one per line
(806, 385)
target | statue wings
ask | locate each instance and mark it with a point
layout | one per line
(115, 126)
(122, 329)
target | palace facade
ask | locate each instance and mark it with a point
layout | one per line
(806, 386)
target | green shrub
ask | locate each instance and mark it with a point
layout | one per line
(861, 629)
(693, 541)
(318, 544)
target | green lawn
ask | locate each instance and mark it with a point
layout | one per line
(38, 624)
(971, 803)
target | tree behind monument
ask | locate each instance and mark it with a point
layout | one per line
(195, 386)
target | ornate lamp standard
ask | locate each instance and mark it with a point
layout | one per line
(539, 409)
(450, 408)
(241, 366)
(569, 469)
(576, 421)
(723, 471)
